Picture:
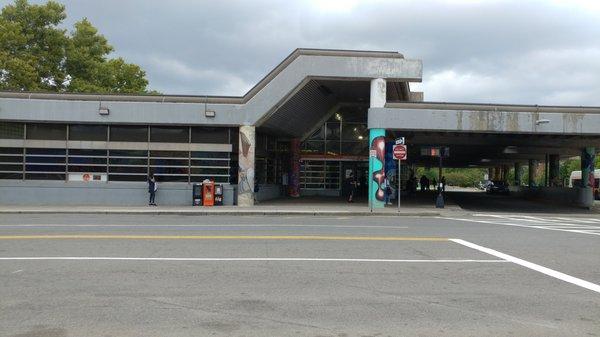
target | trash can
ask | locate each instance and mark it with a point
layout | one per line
(218, 195)
(208, 193)
(197, 195)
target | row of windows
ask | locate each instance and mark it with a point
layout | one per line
(118, 165)
(119, 133)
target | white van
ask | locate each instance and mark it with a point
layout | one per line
(575, 180)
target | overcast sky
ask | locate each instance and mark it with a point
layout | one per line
(539, 52)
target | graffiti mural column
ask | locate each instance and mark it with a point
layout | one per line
(376, 168)
(247, 149)
(294, 189)
(588, 157)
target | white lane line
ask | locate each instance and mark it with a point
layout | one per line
(547, 271)
(201, 226)
(17, 271)
(106, 258)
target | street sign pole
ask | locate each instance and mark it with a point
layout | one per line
(399, 183)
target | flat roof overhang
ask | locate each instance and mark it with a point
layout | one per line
(481, 135)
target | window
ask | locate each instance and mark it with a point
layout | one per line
(47, 131)
(168, 134)
(45, 164)
(87, 132)
(210, 165)
(131, 133)
(11, 163)
(87, 161)
(211, 135)
(170, 165)
(127, 165)
(11, 130)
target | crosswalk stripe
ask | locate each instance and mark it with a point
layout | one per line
(561, 224)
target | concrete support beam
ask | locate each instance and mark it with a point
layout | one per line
(533, 172)
(294, 176)
(378, 93)
(554, 170)
(377, 148)
(505, 171)
(588, 181)
(518, 174)
(247, 151)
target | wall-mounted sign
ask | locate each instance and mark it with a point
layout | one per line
(87, 177)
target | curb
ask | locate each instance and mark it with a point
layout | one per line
(222, 213)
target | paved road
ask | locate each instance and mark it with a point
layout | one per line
(93, 275)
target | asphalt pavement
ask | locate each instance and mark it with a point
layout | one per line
(164, 275)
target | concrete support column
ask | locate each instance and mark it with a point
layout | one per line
(554, 170)
(505, 170)
(247, 149)
(376, 168)
(585, 197)
(497, 173)
(533, 165)
(377, 148)
(588, 159)
(518, 174)
(294, 181)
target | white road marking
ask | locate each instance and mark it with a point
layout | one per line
(17, 271)
(201, 226)
(549, 223)
(241, 259)
(547, 271)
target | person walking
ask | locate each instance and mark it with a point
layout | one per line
(152, 188)
(443, 181)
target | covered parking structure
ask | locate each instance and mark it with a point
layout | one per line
(301, 130)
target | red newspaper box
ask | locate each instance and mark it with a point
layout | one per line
(208, 193)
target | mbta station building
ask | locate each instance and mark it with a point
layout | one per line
(316, 118)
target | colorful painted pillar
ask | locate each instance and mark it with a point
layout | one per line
(376, 168)
(294, 178)
(588, 158)
(247, 149)
(377, 148)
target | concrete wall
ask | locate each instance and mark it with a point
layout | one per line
(59, 193)
(575, 196)
(268, 192)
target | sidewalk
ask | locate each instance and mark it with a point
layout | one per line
(316, 210)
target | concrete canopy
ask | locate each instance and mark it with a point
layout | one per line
(490, 134)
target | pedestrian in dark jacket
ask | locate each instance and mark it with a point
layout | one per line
(152, 188)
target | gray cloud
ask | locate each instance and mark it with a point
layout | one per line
(541, 52)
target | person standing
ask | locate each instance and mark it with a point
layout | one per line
(388, 190)
(152, 188)
(351, 187)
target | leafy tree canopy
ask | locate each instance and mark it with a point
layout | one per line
(37, 55)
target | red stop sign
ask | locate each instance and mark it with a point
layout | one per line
(400, 152)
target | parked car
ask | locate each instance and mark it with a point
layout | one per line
(497, 187)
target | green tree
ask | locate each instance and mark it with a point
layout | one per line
(36, 55)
